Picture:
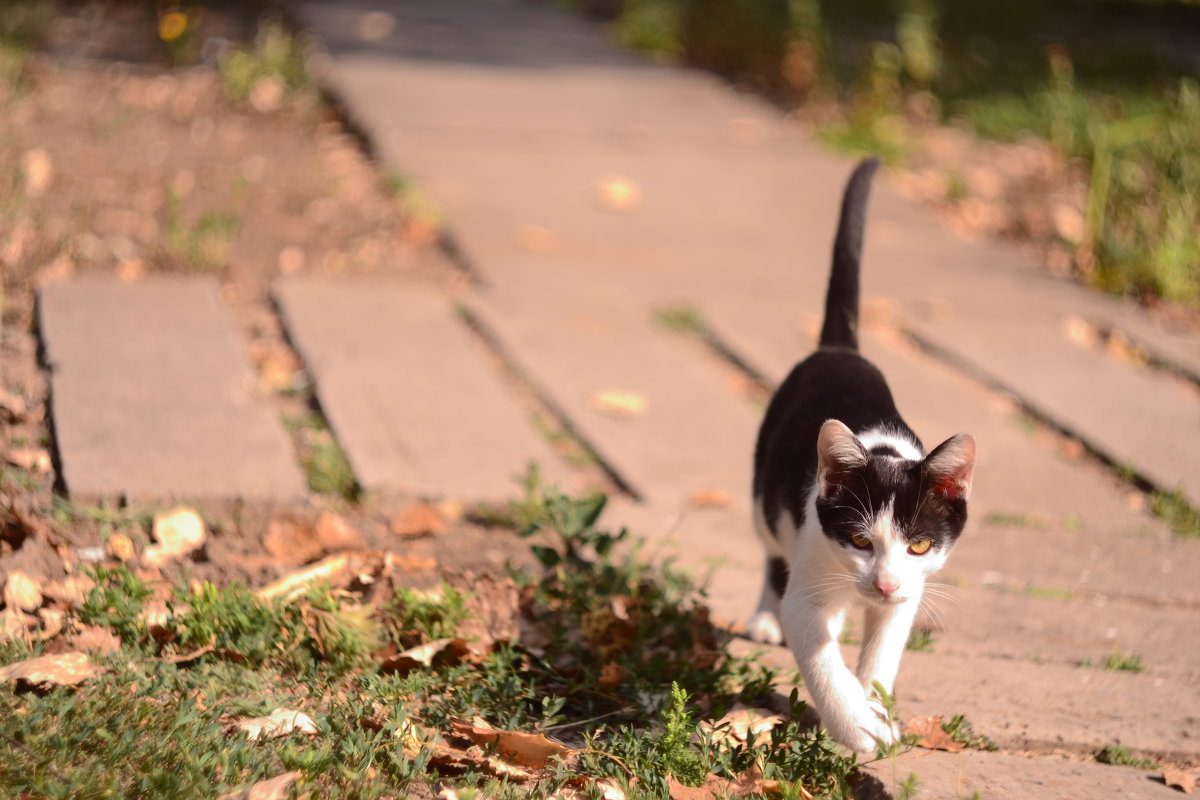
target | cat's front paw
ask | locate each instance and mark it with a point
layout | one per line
(872, 728)
(764, 627)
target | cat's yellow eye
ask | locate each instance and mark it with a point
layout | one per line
(861, 541)
(920, 547)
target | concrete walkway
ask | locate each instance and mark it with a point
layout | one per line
(589, 191)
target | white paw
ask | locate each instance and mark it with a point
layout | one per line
(872, 728)
(764, 627)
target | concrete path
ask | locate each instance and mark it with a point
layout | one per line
(591, 191)
(151, 394)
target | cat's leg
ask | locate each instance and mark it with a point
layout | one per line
(884, 638)
(764, 625)
(846, 712)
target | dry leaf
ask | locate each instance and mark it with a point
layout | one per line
(439, 651)
(279, 722)
(612, 675)
(178, 532)
(748, 784)
(334, 533)
(493, 610)
(531, 750)
(64, 669)
(739, 723)
(421, 519)
(291, 540)
(274, 789)
(618, 193)
(94, 638)
(12, 406)
(120, 547)
(34, 459)
(711, 498)
(1183, 780)
(932, 736)
(70, 591)
(22, 592)
(619, 403)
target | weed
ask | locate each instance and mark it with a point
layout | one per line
(1179, 515)
(415, 616)
(684, 319)
(116, 602)
(1009, 519)
(421, 211)
(1049, 593)
(326, 467)
(277, 57)
(961, 730)
(907, 788)
(202, 245)
(920, 640)
(1121, 756)
(22, 479)
(1123, 662)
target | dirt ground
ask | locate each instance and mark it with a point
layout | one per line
(115, 163)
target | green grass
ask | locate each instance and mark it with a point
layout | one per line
(203, 244)
(682, 319)
(1049, 593)
(276, 55)
(961, 730)
(325, 465)
(1123, 662)
(1121, 756)
(920, 640)
(1179, 515)
(156, 725)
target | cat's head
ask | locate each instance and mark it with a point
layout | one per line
(891, 520)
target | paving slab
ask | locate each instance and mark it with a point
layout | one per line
(1000, 776)
(152, 396)
(1024, 706)
(409, 394)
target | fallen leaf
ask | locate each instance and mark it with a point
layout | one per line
(531, 750)
(619, 403)
(120, 547)
(749, 784)
(34, 459)
(932, 735)
(619, 193)
(739, 723)
(22, 592)
(612, 675)
(178, 532)
(12, 406)
(279, 722)
(64, 669)
(292, 540)
(1183, 780)
(93, 638)
(70, 591)
(711, 498)
(439, 651)
(38, 170)
(493, 610)
(421, 519)
(334, 533)
(274, 789)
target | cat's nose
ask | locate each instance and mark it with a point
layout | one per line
(886, 587)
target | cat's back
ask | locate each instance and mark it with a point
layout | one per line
(832, 383)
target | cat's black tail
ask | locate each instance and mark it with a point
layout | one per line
(841, 301)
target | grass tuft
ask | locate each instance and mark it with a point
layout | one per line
(1123, 662)
(1121, 756)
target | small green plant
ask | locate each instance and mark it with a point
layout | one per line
(1121, 756)
(419, 208)
(277, 57)
(416, 616)
(116, 602)
(961, 730)
(907, 788)
(1179, 515)
(1049, 593)
(684, 319)
(201, 245)
(1008, 519)
(920, 640)
(1123, 662)
(325, 464)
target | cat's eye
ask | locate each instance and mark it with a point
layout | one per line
(920, 547)
(861, 541)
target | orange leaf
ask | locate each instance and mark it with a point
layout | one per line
(65, 669)
(531, 750)
(932, 736)
(1182, 779)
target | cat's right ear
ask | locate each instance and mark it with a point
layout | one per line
(839, 454)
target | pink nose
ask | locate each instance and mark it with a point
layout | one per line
(886, 587)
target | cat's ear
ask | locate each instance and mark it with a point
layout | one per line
(839, 453)
(951, 466)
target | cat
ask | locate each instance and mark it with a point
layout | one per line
(851, 508)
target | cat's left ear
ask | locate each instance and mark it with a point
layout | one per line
(950, 468)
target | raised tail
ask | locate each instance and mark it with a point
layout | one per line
(841, 300)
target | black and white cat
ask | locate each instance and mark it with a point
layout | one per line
(851, 508)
